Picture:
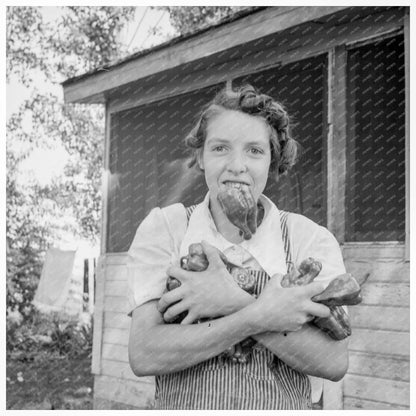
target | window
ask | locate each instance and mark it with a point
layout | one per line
(301, 88)
(375, 186)
(148, 163)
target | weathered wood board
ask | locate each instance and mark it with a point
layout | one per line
(378, 365)
(120, 390)
(380, 317)
(361, 404)
(377, 389)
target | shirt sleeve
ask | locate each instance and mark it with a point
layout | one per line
(330, 255)
(313, 240)
(149, 257)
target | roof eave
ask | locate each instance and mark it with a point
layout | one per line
(92, 88)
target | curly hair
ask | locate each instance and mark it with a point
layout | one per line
(247, 99)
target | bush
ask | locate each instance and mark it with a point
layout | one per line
(70, 337)
(24, 268)
(52, 333)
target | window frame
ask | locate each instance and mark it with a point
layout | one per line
(339, 203)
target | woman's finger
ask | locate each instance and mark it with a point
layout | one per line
(319, 310)
(212, 253)
(178, 273)
(173, 311)
(309, 318)
(189, 319)
(168, 299)
(314, 288)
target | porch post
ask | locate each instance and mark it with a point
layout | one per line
(336, 157)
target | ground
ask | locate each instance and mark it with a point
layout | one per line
(47, 381)
(50, 381)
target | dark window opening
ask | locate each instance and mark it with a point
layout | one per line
(301, 88)
(375, 188)
(149, 163)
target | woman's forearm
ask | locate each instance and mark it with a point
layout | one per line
(309, 351)
(157, 348)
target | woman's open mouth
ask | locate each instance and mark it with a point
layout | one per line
(234, 184)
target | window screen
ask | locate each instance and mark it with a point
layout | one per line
(301, 88)
(148, 163)
(375, 188)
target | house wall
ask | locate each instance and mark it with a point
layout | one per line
(379, 347)
(115, 385)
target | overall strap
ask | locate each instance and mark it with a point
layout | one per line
(189, 211)
(285, 238)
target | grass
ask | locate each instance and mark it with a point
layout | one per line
(49, 381)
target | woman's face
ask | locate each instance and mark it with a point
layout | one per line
(236, 150)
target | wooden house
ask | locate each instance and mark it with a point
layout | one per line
(343, 75)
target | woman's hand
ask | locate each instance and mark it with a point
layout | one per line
(208, 294)
(286, 309)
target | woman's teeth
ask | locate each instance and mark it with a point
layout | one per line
(237, 185)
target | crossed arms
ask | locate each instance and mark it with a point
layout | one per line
(278, 319)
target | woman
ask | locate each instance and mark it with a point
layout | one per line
(241, 139)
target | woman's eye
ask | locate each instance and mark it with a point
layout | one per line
(219, 149)
(256, 151)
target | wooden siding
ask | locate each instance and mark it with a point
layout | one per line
(115, 386)
(378, 374)
(382, 390)
(120, 393)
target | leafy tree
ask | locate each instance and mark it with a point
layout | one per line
(26, 43)
(186, 19)
(81, 39)
(87, 38)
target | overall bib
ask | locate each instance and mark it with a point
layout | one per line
(264, 383)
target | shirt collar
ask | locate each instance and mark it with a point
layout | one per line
(266, 245)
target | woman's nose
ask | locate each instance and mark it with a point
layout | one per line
(237, 163)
